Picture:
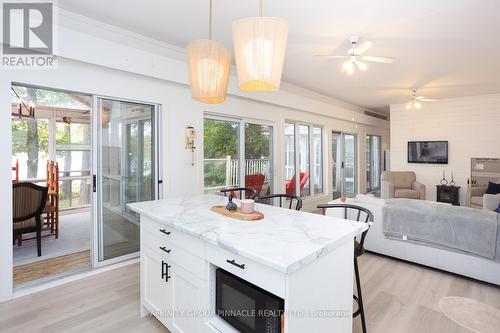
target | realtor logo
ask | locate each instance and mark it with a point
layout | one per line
(28, 34)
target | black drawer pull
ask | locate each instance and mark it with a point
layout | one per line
(165, 231)
(233, 262)
(163, 248)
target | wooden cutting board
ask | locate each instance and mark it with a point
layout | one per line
(238, 215)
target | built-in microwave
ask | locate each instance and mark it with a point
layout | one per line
(247, 307)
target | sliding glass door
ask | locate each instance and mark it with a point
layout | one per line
(126, 173)
(373, 162)
(258, 159)
(303, 159)
(344, 155)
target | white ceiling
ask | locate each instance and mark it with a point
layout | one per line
(444, 48)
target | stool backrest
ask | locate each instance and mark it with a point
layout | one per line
(291, 199)
(249, 193)
(361, 215)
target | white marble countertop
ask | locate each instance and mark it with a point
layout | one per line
(284, 240)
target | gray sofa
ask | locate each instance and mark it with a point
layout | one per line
(401, 184)
(476, 197)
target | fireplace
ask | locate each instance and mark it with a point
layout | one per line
(247, 307)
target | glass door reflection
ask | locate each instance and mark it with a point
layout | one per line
(126, 173)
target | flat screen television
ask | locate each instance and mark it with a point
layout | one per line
(430, 152)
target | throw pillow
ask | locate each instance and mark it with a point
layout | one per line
(498, 209)
(493, 188)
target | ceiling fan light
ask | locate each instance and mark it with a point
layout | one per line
(418, 105)
(209, 64)
(348, 67)
(259, 46)
(408, 106)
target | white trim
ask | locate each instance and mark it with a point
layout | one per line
(34, 289)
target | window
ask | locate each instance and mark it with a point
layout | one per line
(229, 141)
(373, 162)
(303, 159)
(221, 153)
(30, 147)
(73, 154)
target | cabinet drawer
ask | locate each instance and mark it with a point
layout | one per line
(173, 236)
(247, 269)
(174, 253)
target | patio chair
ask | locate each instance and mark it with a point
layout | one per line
(255, 181)
(290, 185)
(28, 202)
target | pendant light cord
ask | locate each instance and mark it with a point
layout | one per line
(210, 21)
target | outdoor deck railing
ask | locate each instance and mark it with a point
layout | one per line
(229, 172)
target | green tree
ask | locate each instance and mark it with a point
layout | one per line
(257, 141)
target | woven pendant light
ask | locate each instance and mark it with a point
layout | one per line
(259, 45)
(209, 65)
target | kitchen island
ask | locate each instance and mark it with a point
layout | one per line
(303, 259)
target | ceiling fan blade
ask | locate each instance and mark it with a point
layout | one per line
(378, 59)
(428, 100)
(330, 56)
(419, 97)
(361, 65)
(363, 47)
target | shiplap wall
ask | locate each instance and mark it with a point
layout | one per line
(471, 125)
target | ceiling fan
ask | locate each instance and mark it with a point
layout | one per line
(415, 101)
(355, 57)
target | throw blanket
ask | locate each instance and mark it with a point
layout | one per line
(474, 231)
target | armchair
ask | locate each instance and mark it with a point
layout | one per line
(476, 197)
(401, 184)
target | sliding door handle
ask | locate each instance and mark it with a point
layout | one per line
(94, 183)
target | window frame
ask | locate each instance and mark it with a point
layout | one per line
(241, 145)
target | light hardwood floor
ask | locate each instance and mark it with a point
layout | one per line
(399, 297)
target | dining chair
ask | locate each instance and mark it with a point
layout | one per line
(361, 214)
(52, 208)
(15, 169)
(290, 200)
(250, 193)
(28, 202)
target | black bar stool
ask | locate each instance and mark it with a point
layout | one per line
(269, 199)
(250, 193)
(362, 215)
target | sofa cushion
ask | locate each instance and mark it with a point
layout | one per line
(493, 188)
(406, 193)
(478, 201)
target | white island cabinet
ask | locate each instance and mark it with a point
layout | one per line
(304, 259)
